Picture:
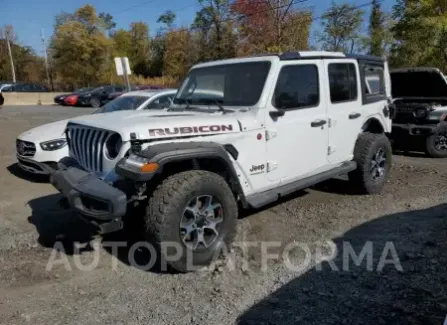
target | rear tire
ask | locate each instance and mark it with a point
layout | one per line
(436, 144)
(2, 100)
(373, 155)
(170, 204)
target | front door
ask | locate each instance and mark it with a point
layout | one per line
(297, 141)
(344, 108)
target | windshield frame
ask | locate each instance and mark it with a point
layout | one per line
(180, 100)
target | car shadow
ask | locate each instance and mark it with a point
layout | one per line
(244, 213)
(15, 170)
(374, 290)
(412, 154)
(58, 224)
(337, 186)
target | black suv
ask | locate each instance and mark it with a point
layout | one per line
(420, 98)
(98, 96)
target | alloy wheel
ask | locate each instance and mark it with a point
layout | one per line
(201, 221)
(440, 141)
(378, 162)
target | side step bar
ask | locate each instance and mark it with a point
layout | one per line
(260, 199)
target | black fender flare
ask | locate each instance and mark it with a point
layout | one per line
(165, 153)
(373, 125)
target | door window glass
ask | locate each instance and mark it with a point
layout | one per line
(342, 82)
(297, 87)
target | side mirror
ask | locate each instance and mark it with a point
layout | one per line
(277, 113)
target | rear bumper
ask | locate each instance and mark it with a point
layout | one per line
(414, 129)
(87, 194)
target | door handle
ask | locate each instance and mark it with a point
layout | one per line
(353, 116)
(318, 123)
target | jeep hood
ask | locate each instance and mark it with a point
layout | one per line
(418, 83)
(162, 124)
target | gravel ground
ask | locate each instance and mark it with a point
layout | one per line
(408, 218)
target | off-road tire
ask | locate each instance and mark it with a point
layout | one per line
(430, 148)
(365, 148)
(95, 103)
(165, 210)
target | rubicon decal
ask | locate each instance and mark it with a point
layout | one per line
(190, 130)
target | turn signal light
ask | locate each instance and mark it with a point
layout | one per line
(149, 167)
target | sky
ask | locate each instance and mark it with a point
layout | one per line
(29, 17)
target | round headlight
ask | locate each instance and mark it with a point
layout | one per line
(113, 146)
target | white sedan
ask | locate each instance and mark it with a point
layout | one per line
(47, 143)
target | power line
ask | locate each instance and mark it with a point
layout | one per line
(295, 2)
(248, 15)
(133, 7)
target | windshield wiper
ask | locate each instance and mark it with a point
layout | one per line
(217, 102)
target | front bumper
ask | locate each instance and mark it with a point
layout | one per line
(414, 129)
(87, 194)
(39, 168)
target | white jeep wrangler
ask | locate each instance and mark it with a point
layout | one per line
(247, 130)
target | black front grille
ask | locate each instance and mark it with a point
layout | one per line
(25, 148)
(407, 113)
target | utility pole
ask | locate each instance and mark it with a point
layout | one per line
(46, 58)
(10, 58)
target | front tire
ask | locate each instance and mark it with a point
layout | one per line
(196, 212)
(373, 155)
(436, 144)
(95, 103)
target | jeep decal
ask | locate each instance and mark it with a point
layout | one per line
(257, 169)
(190, 129)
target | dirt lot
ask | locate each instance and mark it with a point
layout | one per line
(410, 214)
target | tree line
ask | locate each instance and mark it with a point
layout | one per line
(84, 43)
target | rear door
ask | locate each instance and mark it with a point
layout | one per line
(344, 108)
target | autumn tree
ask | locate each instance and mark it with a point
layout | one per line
(341, 28)
(271, 26)
(376, 30)
(79, 47)
(214, 31)
(27, 65)
(176, 61)
(140, 47)
(167, 19)
(421, 33)
(158, 43)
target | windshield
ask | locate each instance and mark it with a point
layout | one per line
(238, 84)
(125, 103)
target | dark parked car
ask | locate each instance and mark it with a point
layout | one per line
(25, 88)
(98, 96)
(420, 98)
(61, 98)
